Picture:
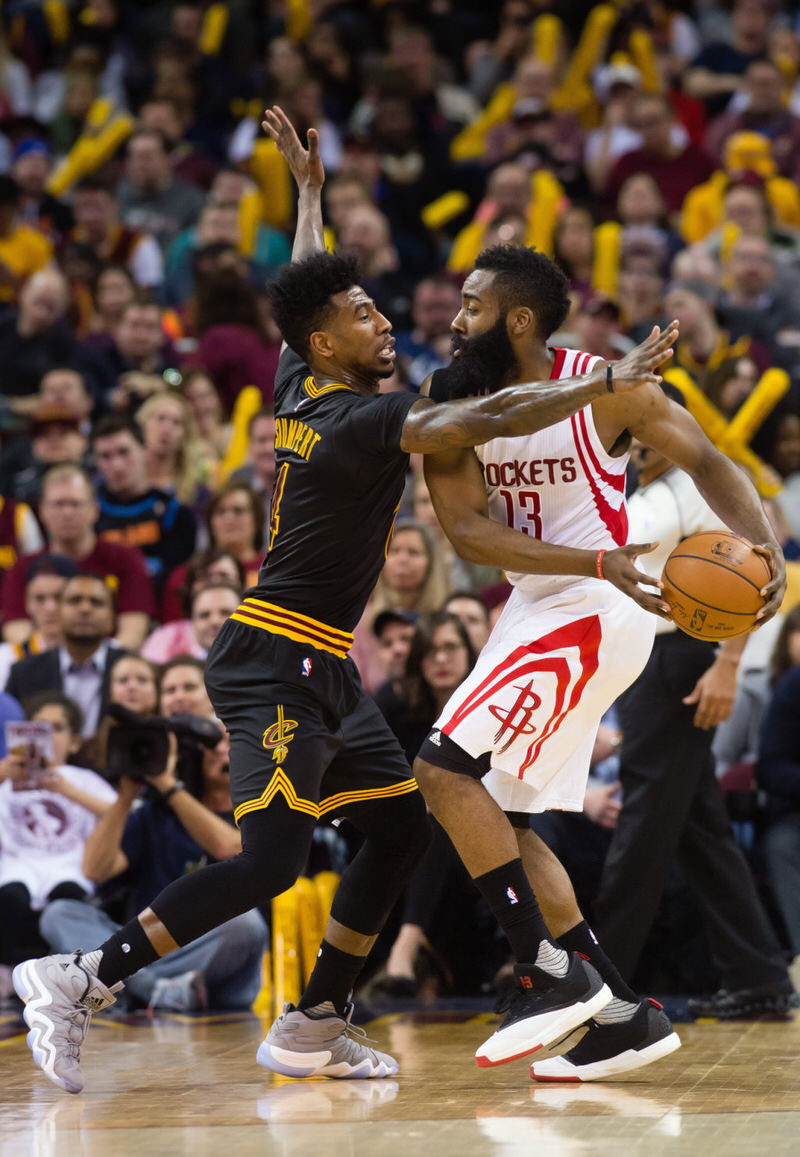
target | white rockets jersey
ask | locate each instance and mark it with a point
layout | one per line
(558, 485)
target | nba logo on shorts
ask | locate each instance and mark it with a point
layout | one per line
(306, 667)
(512, 896)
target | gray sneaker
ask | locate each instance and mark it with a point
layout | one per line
(60, 997)
(184, 993)
(318, 1042)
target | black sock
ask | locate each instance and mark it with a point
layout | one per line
(124, 953)
(581, 939)
(509, 895)
(333, 978)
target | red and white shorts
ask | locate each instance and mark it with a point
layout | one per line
(553, 665)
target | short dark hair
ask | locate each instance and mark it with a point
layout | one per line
(263, 412)
(117, 424)
(465, 594)
(232, 486)
(525, 277)
(71, 709)
(96, 183)
(301, 295)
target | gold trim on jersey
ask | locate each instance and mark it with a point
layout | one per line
(280, 783)
(315, 391)
(300, 628)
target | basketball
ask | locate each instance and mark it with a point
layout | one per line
(712, 582)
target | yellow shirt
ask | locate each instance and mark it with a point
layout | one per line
(24, 252)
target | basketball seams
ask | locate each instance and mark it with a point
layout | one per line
(709, 606)
(711, 562)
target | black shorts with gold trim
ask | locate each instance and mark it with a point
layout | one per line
(301, 725)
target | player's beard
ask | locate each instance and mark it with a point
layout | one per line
(484, 364)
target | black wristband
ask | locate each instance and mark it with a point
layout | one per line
(609, 379)
(167, 795)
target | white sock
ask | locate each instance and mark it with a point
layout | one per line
(91, 960)
(552, 959)
(616, 1011)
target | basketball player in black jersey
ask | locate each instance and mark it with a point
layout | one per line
(305, 739)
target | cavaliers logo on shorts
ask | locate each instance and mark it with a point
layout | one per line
(279, 735)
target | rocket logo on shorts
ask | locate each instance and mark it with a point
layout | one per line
(512, 895)
(279, 735)
(516, 720)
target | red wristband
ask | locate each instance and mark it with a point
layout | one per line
(599, 564)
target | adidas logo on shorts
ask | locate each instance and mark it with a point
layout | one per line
(436, 737)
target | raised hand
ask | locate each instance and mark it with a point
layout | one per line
(639, 366)
(305, 164)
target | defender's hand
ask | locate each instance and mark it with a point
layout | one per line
(774, 591)
(619, 569)
(639, 366)
(305, 164)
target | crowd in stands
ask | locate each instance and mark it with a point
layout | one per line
(651, 148)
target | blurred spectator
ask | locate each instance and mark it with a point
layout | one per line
(201, 395)
(757, 293)
(440, 658)
(23, 250)
(68, 512)
(15, 83)
(171, 832)
(175, 459)
(212, 563)
(259, 470)
(151, 197)
(56, 439)
(765, 112)
(80, 666)
(31, 169)
(44, 583)
(36, 337)
(737, 739)
(44, 824)
(426, 347)
(573, 249)
(114, 288)
(97, 223)
(716, 74)
(133, 365)
(233, 345)
(190, 161)
(597, 327)
(182, 689)
(474, 614)
(365, 234)
(143, 516)
(134, 685)
(413, 579)
(492, 62)
(704, 348)
(213, 603)
(675, 165)
(616, 88)
(394, 630)
(640, 293)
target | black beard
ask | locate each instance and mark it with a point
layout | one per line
(484, 363)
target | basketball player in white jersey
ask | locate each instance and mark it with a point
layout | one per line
(517, 736)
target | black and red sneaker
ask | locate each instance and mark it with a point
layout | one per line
(543, 1008)
(608, 1049)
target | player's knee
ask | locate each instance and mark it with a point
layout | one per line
(432, 780)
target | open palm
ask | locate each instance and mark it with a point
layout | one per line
(305, 164)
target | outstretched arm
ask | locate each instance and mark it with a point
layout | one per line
(459, 498)
(306, 168)
(526, 408)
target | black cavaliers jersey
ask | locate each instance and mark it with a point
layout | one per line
(339, 479)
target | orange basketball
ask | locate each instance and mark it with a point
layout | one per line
(712, 582)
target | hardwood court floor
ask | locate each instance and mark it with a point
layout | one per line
(191, 1088)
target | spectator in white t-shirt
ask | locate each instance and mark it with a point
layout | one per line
(43, 829)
